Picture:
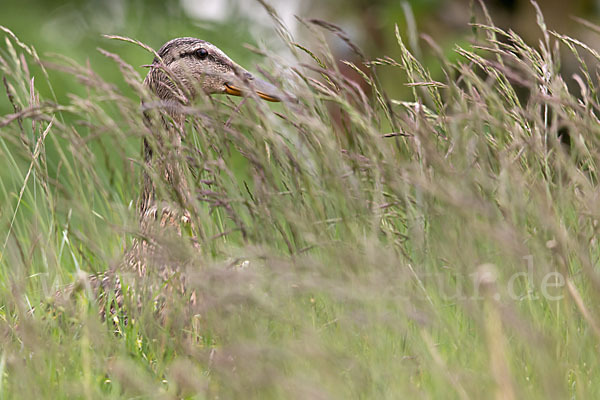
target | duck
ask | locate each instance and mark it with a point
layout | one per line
(182, 70)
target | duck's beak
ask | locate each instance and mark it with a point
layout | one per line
(263, 89)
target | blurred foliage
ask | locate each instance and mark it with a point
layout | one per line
(368, 233)
(74, 28)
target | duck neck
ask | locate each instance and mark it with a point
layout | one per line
(163, 177)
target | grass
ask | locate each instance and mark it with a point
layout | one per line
(352, 244)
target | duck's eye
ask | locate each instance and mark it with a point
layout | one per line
(201, 53)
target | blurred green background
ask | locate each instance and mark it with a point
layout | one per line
(74, 28)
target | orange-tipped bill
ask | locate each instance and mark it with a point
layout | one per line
(263, 89)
